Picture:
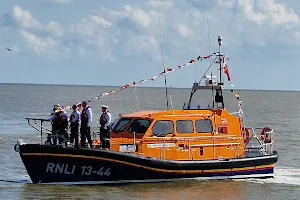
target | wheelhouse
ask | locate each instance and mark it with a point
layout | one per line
(179, 135)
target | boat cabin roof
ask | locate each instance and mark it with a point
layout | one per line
(171, 113)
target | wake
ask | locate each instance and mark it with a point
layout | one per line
(282, 175)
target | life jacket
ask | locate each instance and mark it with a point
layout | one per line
(63, 120)
(55, 122)
(72, 116)
(84, 116)
(103, 120)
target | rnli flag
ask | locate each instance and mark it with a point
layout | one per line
(199, 57)
(226, 71)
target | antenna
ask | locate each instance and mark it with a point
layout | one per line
(136, 98)
(171, 104)
(220, 56)
(163, 59)
(212, 86)
(195, 69)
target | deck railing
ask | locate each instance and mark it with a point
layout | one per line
(236, 142)
(260, 148)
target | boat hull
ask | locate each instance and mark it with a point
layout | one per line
(54, 164)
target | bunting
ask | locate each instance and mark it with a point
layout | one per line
(169, 70)
(226, 71)
(166, 71)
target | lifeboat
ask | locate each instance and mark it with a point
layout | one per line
(196, 142)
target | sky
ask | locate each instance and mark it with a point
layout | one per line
(97, 42)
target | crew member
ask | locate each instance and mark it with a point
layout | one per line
(59, 125)
(74, 119)
(63, 126)
(105, 120)
(55, 108)
(55, 125)
(85, 129)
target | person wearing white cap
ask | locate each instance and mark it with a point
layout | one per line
(105, 120)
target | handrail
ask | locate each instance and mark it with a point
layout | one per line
(217, 144)
(38, 119)
(198, 137)
(36, 126)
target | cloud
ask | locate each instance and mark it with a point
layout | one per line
(133, 29)
(183, 30)
(54, 28)
(144, 44)
(38, 44)
(56, 1)
(268, 11)
(93, 33)
(101, 21)
(160, 4)
(137, 16)
(24, 19)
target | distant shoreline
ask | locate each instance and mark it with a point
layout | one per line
(118, 86)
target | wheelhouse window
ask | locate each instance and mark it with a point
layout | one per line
(204, 126)
(184, 126)
(120, 125)
(114, 123)
(162, 128)
(139, 126)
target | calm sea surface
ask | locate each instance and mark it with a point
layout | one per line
(279, 110)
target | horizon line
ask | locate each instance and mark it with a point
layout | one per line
(161, 87)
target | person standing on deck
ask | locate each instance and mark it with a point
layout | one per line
(74, 119)
(85, 129)
(59, 125)
(55, 124)
(63, 126)
(105, 120)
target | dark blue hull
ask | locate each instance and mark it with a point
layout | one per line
(54, 164)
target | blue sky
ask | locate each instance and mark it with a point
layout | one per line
(97, 42)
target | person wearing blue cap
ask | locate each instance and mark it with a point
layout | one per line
(105, 120)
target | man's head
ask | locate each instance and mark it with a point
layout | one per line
(57, 112)
(84, 104)
(104, 108)
(56, 106)
(74, 107)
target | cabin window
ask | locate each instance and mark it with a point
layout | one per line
(162, 128)
(204, 126)
(139, 126)
(113, 125)
(120, 125)
(184, 126)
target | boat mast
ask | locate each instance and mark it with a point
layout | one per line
(163, 59)
(220, 58)
(220, 84)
